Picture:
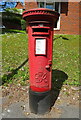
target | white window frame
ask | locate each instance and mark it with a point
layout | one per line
(58, 23)
(59, 10)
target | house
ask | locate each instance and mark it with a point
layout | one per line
(19, 5)
(69, 19)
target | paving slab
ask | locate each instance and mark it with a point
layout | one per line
(21, 110)
(16, 104)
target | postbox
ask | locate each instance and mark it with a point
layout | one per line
(40, 23)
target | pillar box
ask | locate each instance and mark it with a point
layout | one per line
(40, 23)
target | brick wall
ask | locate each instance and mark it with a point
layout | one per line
(69, 22)
(69, 17)
(30, 5)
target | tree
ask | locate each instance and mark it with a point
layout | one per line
(12, 10)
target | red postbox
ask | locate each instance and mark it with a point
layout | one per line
(40, 23)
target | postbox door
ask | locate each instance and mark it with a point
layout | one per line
(41, 64)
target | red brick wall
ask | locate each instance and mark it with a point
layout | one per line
(70, 17)
(30, 5)
(69, 22)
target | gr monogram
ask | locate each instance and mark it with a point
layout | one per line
(40, 76)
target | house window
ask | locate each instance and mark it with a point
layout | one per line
(54, 6)
(41, 5)
(50, 5)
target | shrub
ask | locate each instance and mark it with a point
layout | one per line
(23, 24)
(11, 17)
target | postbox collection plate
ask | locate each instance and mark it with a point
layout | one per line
(40, 46)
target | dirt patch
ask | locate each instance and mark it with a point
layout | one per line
(16, 93)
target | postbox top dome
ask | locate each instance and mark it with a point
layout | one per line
(40, 11)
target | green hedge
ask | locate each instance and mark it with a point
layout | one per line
(14, 18)
(23, 24)
(11, 17)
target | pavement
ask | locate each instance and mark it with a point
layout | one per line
(20, 109)
(16, 111)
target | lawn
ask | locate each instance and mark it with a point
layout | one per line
(15, 54)
(66, 57)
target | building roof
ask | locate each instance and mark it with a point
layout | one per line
(19, 5)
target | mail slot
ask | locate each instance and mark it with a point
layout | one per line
(40, 24)
(40, 30)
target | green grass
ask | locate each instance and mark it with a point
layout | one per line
(66, 57)
(14, 53)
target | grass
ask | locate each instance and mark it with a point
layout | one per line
(66, 57)
(14, 53)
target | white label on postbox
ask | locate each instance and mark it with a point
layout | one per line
(40, 46)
